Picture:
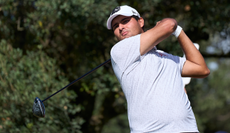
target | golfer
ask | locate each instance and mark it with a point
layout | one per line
(150, 78)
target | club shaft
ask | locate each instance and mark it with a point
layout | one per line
(78, 79)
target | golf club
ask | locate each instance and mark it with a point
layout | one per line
(38, 106)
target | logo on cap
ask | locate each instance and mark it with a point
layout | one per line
(115, 10)
(134, 13)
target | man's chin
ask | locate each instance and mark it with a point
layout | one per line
(122, 38)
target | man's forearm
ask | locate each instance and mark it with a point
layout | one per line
(195, 65)
(158, 33)
(190, 51)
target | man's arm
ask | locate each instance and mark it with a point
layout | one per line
(195, 65)
(161, 31)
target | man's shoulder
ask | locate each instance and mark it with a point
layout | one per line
(129, 39)
(126, 43)
(162, 53)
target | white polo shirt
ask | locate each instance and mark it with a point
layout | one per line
(153, 88)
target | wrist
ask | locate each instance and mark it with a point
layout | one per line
(177, 32)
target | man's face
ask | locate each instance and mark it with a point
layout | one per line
(124, 27)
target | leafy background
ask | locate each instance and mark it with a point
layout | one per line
(44, 45)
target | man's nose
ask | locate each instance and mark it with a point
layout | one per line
(121, 26)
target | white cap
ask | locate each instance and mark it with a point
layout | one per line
(121, 10)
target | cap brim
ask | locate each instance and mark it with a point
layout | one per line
(109, 21)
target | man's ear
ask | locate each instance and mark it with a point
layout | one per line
(141, 22)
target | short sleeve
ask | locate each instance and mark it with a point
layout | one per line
(126, 53)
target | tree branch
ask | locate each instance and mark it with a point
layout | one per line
(207, 55)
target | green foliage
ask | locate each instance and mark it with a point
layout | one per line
(213, 99)
(117, 125)
(24, 77)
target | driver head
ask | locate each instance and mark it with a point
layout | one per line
(38, 108)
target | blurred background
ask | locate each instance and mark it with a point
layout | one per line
(46, 44)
